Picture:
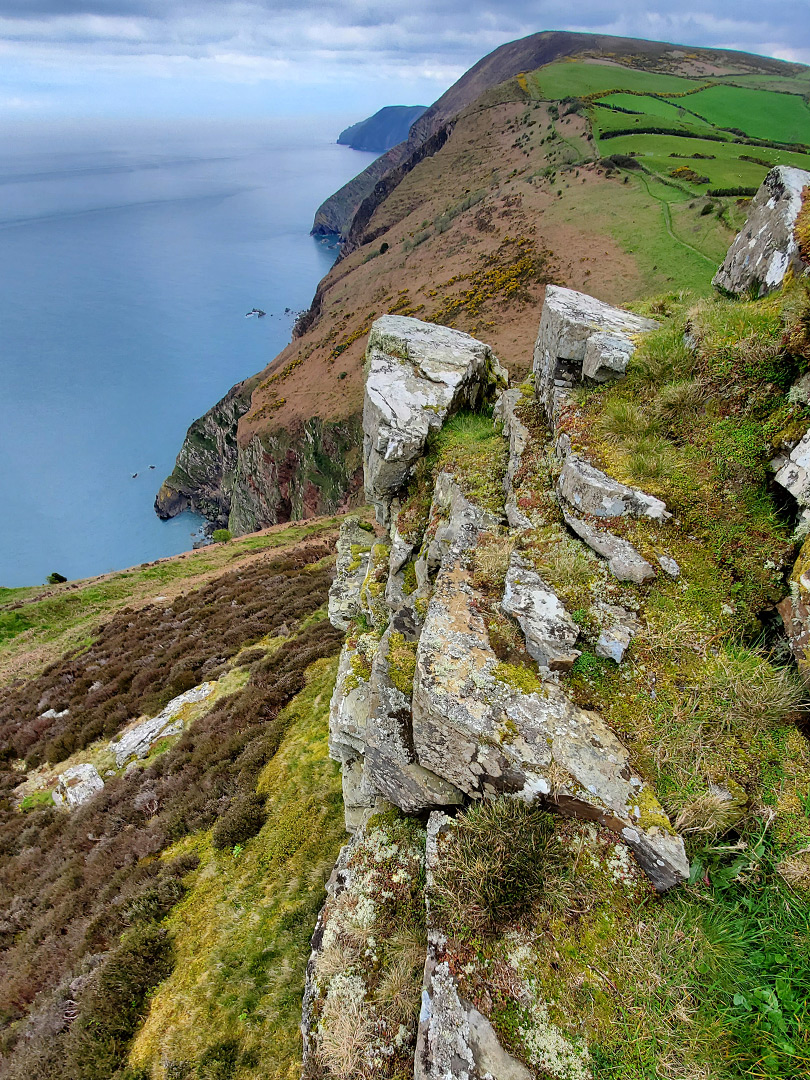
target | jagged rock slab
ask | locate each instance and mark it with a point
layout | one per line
(549, 630)
(591, 491)
(581, 337)
(353, 548)
(456, 524)
(475, 725)
(762, 252)
(77, 785)
(137, 741)
(518, 435)
(795, 611)
(390, 764)
(624, 562)
(418, 375)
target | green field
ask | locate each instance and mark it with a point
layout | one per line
(577, 78)
(761, 114)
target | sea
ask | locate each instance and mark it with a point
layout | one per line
(129, 257)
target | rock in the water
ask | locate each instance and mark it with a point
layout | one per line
(488, 730)
(581, 337)
(137, 741)
(624, 562)
(76, 785)
(591, 491)
(549, 630)
(418, 375)
(760, 255)
(353, 547)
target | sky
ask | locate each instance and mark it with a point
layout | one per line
(243, 58)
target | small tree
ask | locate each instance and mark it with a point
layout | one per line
(221, 536)
(56, 579)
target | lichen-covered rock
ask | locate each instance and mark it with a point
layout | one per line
(518, 435)
(418, 375)
(581, 337)
(549, 630)
(762, 252)
(137, 741)
(619, 627)
(794, 473)
(489, 729)
(76, 785)
(456, 523)
(353, 548)
(590, 491)
(795, 611)
(624, 562)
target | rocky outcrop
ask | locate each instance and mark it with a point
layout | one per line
(766, 247)
(76, 786)
(418, 375)
(353, 547)
(518, 436)
(137, 741)
(793, 474)
(386, 128)
(623, 560)
(581, 338)
(549, 630)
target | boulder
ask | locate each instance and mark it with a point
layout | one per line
(624, 562)
(353, 547)
(793, 473)
(669, 565)
(591, 491)
(137, 741)
(581, 337)
(764, 250)
(77, 785)
(491, 729)
(549, 630)
(418, 374)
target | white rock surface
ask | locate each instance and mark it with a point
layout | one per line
(518, 435)
(762, 252)
(590, 491)
(581, 337)
(76, 785)
(137, 741)
(418, 375)
(794, 475)
(353, 548)
(624, 562)
(549, 630)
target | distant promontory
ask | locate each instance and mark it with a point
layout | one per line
(383, 130)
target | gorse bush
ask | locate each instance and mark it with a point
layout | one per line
(494, 864)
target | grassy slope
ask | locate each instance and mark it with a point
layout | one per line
(242, 932)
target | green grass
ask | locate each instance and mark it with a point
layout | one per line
(759, 113)
(577, 79)
(242, 932)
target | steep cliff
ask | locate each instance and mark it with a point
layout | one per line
(386, 128)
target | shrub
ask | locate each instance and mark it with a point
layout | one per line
(650, 458)
(494, 865)
(221, 536)
(56, 579)
(242, 820)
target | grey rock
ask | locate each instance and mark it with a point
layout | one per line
(799, 393)
(457, 523)
(591, 491)
(418, 375)
(518, 435)
(549, 630)
(794, 474)
(580, 337)
(624, 562)
(137, 741)
(353, 547)
(619, 628)
(669, 566)
(487, 736)
(764, 250)
(52, 714)
(77, 785)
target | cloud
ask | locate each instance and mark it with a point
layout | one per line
(423, 45)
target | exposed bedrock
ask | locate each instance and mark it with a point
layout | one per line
(418, 375)
(765, 248)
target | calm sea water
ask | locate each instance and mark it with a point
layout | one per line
(128, 258)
